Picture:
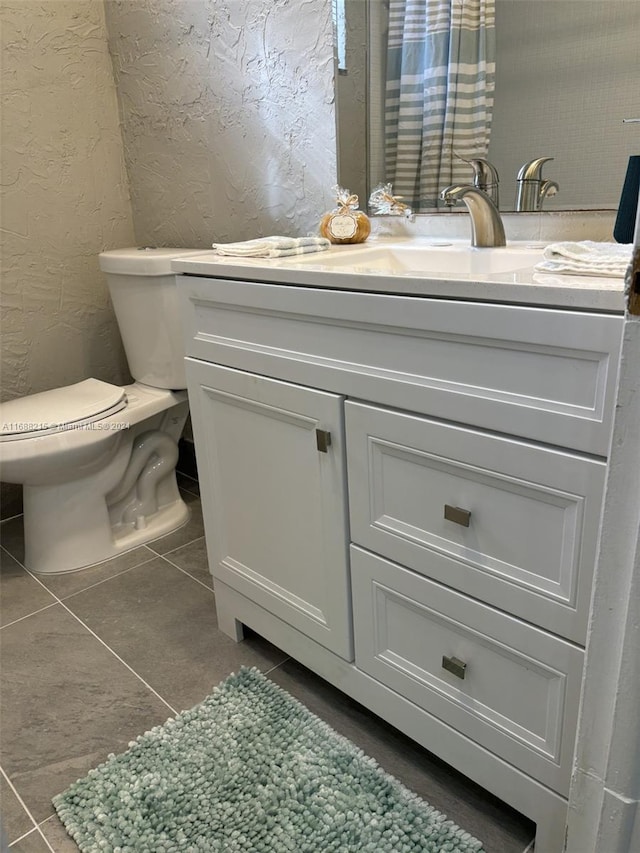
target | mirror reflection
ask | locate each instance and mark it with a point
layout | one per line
(429, 84)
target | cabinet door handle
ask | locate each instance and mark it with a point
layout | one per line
(455, 666)
(323, 440)
(457, 515)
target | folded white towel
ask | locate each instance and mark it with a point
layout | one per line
(587, 258)
(272, 247)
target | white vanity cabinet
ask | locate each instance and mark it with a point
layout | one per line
(274, 496)
(404, 493)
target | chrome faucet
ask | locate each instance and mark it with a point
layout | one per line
(486, 225)
(532, 190)
(485, 177)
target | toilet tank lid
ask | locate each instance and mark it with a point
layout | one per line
(52, 411)
(144, 260)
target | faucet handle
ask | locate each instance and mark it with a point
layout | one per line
(485, 176)
(484, 172)
(532, 171)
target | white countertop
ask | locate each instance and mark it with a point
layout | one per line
(522, 286)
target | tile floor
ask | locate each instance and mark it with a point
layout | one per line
(94, 658)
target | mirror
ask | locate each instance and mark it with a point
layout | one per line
(567, 74)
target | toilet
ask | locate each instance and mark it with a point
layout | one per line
(97, 461)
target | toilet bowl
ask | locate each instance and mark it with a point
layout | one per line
(97, 461)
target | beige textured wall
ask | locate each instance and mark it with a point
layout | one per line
(64, 196)
(228, 116)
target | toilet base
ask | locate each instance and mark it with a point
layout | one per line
(90, 495)
(71, 544)
(167, 520)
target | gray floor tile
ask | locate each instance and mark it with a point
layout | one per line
(57, 836)
(10, 500)
(500, 828)
(187, 483)
(64, 585)
(12, 537)
(164, 625)
(15, 821)
(20, 594)
(193, 529)
(192, 558)
(66, 703)
(32, 843)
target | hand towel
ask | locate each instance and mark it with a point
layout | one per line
(272, 247)
(586, 258)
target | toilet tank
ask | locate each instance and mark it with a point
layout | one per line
(145, 300)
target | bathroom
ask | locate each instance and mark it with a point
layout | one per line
(182, 171)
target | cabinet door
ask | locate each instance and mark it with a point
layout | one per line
(272, 474)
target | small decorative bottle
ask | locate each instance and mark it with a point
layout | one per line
(345, 224)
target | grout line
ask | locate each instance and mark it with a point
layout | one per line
(177, 548)
(51, 818)
(37, 832)
(185, 572)
(27, 615)
(153, 556)
(36, 828)
(109, 649)
(20, 514)
(8, 553)
(16, 840)
(122, 661)
(269, 671)
(186, 488)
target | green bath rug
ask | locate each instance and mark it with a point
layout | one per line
(250, 770)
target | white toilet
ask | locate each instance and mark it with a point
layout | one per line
(97, 461)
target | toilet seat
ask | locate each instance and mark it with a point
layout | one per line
(60, 409)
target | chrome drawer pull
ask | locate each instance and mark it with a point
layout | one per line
(457, 515)
(454, 666)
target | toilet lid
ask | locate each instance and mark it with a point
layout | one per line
(53, 411)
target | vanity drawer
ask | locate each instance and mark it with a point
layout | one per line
(511, 523)
(544, 374)
(506, 685)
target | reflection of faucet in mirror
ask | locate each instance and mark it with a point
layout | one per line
(532, 190)
(485, 177)
(487, 229)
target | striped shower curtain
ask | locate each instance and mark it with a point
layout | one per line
(439, 94)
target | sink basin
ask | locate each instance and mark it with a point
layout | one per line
(452, 260)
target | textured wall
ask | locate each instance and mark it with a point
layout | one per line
(64, 196)
(228, 116)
